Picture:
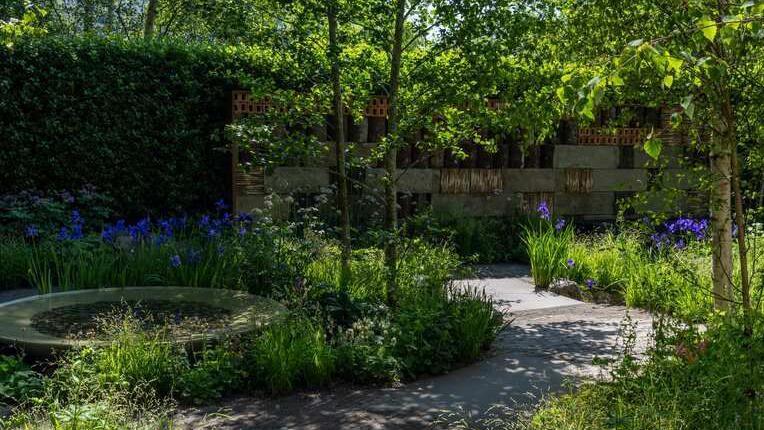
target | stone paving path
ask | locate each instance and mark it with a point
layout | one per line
(552, 340)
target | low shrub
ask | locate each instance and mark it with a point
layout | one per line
(218, 371)
(365, 352)
(444, 327)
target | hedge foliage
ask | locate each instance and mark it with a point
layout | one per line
(142, 121)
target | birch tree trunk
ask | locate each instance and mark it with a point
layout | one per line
(391, 156)
(150, 22)
(721, 214)
(339, 126)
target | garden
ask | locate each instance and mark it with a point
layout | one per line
(205, 205)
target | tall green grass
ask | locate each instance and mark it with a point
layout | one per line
(548, 251)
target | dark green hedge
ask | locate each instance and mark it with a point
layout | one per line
(142, 121)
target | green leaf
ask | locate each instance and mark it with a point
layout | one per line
(668, 80)
(561, 94)
(566, 78)
(688, 106)
(653, 148)
(708, 27)
(675, 63)
(616, 81)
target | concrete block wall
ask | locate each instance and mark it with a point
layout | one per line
(607, 180)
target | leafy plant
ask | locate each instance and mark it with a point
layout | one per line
(18, 382)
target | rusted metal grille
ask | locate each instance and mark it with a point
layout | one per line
(578, 180)
(377, 107)
(596, 136)
(242, 104)
(632, 136)
(474, 181)
(628, 136)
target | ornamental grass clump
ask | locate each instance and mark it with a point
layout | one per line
(547, 246)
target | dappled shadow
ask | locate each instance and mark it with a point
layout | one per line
(534, 356)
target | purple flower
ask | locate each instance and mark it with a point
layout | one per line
(543, 211)
(175, 261)
(242, 231)
(221, 205)
(166, 227)
(204, 221)
(221, 250)
(570, 262)
(63, 233)
(76, 217)
(213, 233)
(67, 197)
(76, 232)
(31, 231)
(590, 283)
(560, 224)
(680, 244)
(141, 229)
(193, 256)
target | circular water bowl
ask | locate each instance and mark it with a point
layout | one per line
(41, 324)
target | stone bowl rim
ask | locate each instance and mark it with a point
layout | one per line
(48, 343)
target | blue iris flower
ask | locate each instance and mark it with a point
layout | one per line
(560, 224)
(31, 231)
(175, 261)
(221, 205)
(543, 211)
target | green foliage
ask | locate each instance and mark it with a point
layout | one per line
(692, 380)
(135, 358)
(291, 354)
(217, 372)
(15, 255)
(365, 352)
(50, 210)
(18, 382)
(141, 120)
(625, 267)
(478, 239)
(443, 326)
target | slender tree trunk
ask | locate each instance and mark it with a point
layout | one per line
(391, 157)
(721, 202)
(88, 18)
(339, 115)
(150, 22)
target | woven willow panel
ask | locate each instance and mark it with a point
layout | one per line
(578, 180)
(454, 181)
(531, 201)
(485, 180)
(250, 183)
(474, 181)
